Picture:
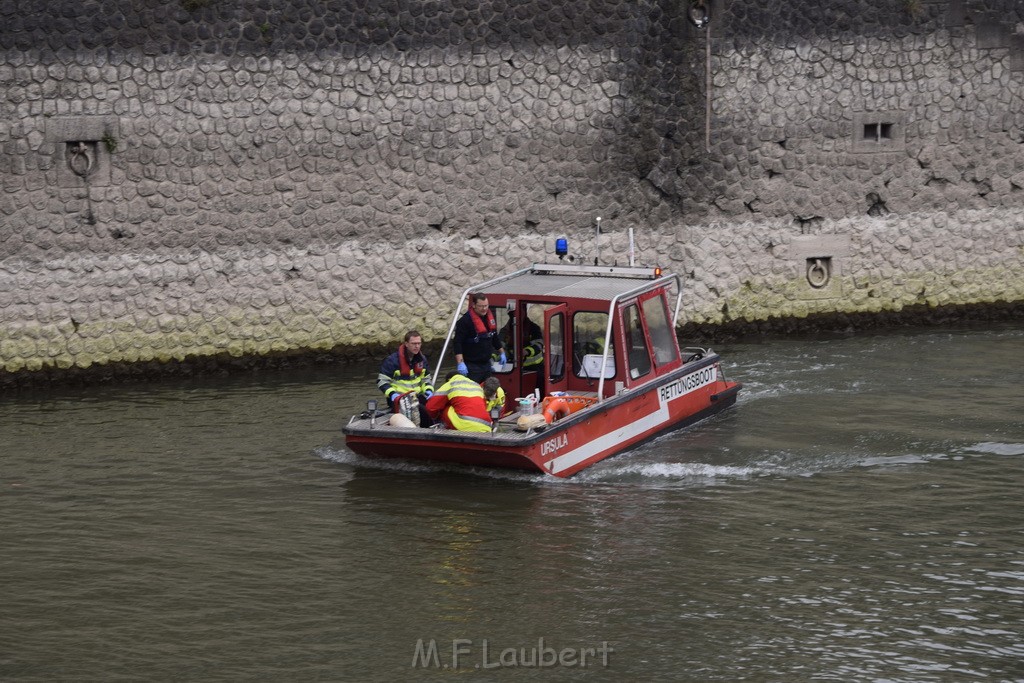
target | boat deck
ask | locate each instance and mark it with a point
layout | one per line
(507, 432)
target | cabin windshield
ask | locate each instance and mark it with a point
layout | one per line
(588, 330)
(637, 353)
(660, 331)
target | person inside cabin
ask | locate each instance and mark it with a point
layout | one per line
(533, 348)
(476, 338)
(405, 371)
(462, 404)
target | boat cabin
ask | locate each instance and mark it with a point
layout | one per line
(595, 330)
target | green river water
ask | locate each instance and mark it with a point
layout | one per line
(858, 516)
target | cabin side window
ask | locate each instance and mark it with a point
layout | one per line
(662, 337)
(588, 331)
(637, 352)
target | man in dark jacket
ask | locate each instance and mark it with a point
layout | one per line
(476, 339)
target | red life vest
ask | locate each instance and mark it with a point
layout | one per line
(403, 363)
(483, 328)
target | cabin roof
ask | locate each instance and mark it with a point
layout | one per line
(566, 286)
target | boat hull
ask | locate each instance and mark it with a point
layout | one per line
(570, 444)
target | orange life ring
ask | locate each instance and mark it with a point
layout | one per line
(556, 409)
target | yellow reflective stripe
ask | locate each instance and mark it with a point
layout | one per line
(468, 424)
(465, 384)
(398, 374)
(460, 387)
(463, 394)
(466, 393)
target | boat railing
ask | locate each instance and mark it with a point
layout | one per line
(664, 280)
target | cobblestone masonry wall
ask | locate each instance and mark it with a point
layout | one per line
(200, 177)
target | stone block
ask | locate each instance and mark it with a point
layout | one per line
(991, 33)
(1017, 52)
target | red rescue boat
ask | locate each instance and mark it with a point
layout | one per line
(609, 374)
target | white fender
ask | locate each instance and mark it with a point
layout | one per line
(526, 422)
(399, 420)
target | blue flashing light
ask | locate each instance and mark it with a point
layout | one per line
(561, 247)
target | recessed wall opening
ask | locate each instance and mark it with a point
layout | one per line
(878, 131)
(82, 147)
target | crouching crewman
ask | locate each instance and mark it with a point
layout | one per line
(462, 404)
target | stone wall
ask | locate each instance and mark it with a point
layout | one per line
(204, 178)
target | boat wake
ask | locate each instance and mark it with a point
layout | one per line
(631, 470)
(696, 474)
(706, 475)
(994, 448)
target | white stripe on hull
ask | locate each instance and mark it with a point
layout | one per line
(636, 428)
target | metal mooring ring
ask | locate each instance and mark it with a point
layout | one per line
(81, 160)
(817, 273)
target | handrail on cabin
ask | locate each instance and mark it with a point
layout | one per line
(611, 318)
